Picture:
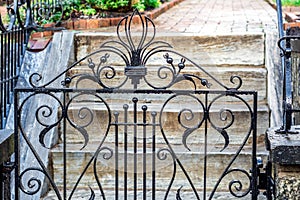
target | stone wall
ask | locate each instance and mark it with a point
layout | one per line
(284, 154)
(288, 182)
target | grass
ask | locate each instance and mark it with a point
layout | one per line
(289, 2)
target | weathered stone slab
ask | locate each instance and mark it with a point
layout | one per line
(97, 118)
(243, 49)
(288, 182)
(253, 79)
(193, 163)
(85, 194)
(284, 148)
(6, 144)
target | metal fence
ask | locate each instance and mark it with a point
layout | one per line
(12, 50)
(20, 19)
(130, 138)
(23, 18)
(288, 44)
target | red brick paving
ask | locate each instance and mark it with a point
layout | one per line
(206, 17)
(218, 16)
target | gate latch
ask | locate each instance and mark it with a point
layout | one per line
(265, 180)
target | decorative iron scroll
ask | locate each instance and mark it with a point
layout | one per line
(142, 124)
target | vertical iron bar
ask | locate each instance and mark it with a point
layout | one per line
(19, 49)
(280, 31)
(279, 18)
(16, 144)
(5, 74)
(125, 149)
(64, 148)
(288, 88)
(8, 69)
(15, 58)
(116, 114)
(2, 84)
(285, 62)
(135, 100)
(254, 159)
(153, 154)
(23, 41)
(205, 148)
(144, 108)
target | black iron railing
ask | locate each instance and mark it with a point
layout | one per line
(12, 50)
(285, 46)
(24, 17)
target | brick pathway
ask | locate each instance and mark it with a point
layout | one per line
(218, 16)
(206, 17)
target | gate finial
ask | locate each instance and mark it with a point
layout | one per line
(137, 49)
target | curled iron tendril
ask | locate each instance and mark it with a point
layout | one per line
(237, 185)
(162, 154)
(239, 82)
(108, 155)
(224, 115)
(45, 111)
(33, 184)
(34, 79)
(188, 115)
(177, 77)
(109, 72)
(82, 114)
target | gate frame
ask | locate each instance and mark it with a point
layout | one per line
(136, 71)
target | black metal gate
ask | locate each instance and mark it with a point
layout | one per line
(146, 129)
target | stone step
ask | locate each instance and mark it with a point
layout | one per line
(253, 79)
(223, 50)
(192, 161)
(94, 119)
(185, 195)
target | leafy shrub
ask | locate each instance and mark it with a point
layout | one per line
(147, 4)
(76, 8)
(289, 2)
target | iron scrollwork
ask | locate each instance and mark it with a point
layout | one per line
(129, 126)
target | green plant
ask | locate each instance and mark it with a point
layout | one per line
(75, 8)
(140, 6)
(289, 2)
(147, 4)
(89, 11)
(70, 6)
(152, 3)
(113, 4)
(96, 4)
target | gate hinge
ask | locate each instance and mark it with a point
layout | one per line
(265, 180)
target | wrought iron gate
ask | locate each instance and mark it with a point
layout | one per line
(147, 129)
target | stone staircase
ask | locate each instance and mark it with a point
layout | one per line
(222, 56)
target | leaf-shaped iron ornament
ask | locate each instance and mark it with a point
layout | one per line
(178, 197)
(92, 197)
(137, 54)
